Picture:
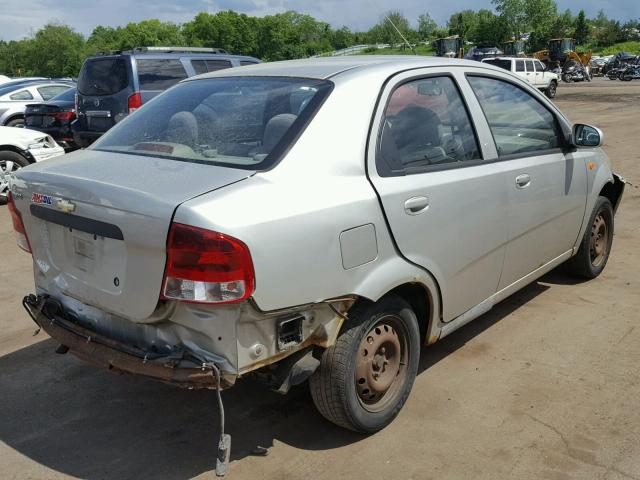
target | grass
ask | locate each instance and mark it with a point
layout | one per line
(419, 50)
(631, 47)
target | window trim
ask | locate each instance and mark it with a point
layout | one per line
(428, 168)
(563, 148)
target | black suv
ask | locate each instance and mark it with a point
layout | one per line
(112, 86)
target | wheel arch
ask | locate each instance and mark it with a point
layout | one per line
(613, 191)
(18, 150)
(423, 294)
(14, 116)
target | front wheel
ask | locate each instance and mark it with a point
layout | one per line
(365, 378)
(595, 246)
(9, 162)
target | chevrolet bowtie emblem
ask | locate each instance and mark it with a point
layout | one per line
(65, 206)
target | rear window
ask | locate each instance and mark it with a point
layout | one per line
(238, 122)
(204, 66)
(67, 96)
(159, 74)
(506, 64)
(103, 76)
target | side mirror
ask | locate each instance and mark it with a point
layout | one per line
(586, 136)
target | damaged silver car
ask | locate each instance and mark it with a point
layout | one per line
(318, 219)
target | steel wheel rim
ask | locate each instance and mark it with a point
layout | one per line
(6, 168)
(599, 244)
(382, 362)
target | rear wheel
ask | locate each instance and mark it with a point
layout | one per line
(551, 90)
(365, 378)
(9, 162)
(595, 246)
(16, 122)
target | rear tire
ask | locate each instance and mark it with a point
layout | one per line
(596, 243)
(365, 378)
(16, 122)
(550, 92)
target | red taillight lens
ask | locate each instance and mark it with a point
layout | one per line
(206, 267)
(134, 102)
(21, 234)
(64, 116)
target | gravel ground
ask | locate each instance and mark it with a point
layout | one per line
(546, 385)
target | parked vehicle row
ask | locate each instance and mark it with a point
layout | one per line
(320, 218)
(110, 87)
(16, 95)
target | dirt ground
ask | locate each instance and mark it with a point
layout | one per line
(546, 385)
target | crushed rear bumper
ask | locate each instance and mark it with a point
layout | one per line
(182, 369)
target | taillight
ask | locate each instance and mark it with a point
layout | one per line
(134, 102)
(18, 225)
(64, 116)
(206, 267)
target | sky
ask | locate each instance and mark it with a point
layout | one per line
(20, 19)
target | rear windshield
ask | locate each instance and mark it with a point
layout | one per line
(506, 64)
(238, 122)
(66, 96)
(159, 74)
(103, 76)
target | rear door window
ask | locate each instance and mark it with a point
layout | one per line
(425, 125)
(159, 74)
(247, 62)
(103, 76)
(529, 66)
(519, 65)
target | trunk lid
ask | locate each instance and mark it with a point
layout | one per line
(98, 223)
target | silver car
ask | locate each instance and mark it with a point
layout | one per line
(14, 98)
(320, 219)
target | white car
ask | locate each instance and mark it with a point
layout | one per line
(20, 147)
(529, 69)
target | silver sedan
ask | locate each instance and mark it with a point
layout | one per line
(14, 98)
(320, 219)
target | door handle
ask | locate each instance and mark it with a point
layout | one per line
(416, 205)
(523, 181)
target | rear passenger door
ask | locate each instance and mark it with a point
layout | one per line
(445, 204)
(530, 73)
(547, 185)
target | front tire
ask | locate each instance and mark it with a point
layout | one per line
(9, 162)
(596, 243)
(365, 378)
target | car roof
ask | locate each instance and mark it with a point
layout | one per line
(327, 67)
(177, 55)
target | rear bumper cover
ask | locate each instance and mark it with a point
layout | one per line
(118, 357)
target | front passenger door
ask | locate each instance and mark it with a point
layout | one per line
(547, 184)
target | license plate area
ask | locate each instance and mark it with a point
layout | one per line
(85, 262)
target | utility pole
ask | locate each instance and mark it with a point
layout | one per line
(400, 33)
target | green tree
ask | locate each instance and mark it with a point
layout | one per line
(463, 23)
(489, 30)
(55, 51)
(512, 13)
(581, 31)
(426, 26)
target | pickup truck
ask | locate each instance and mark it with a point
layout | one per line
(529, 69)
